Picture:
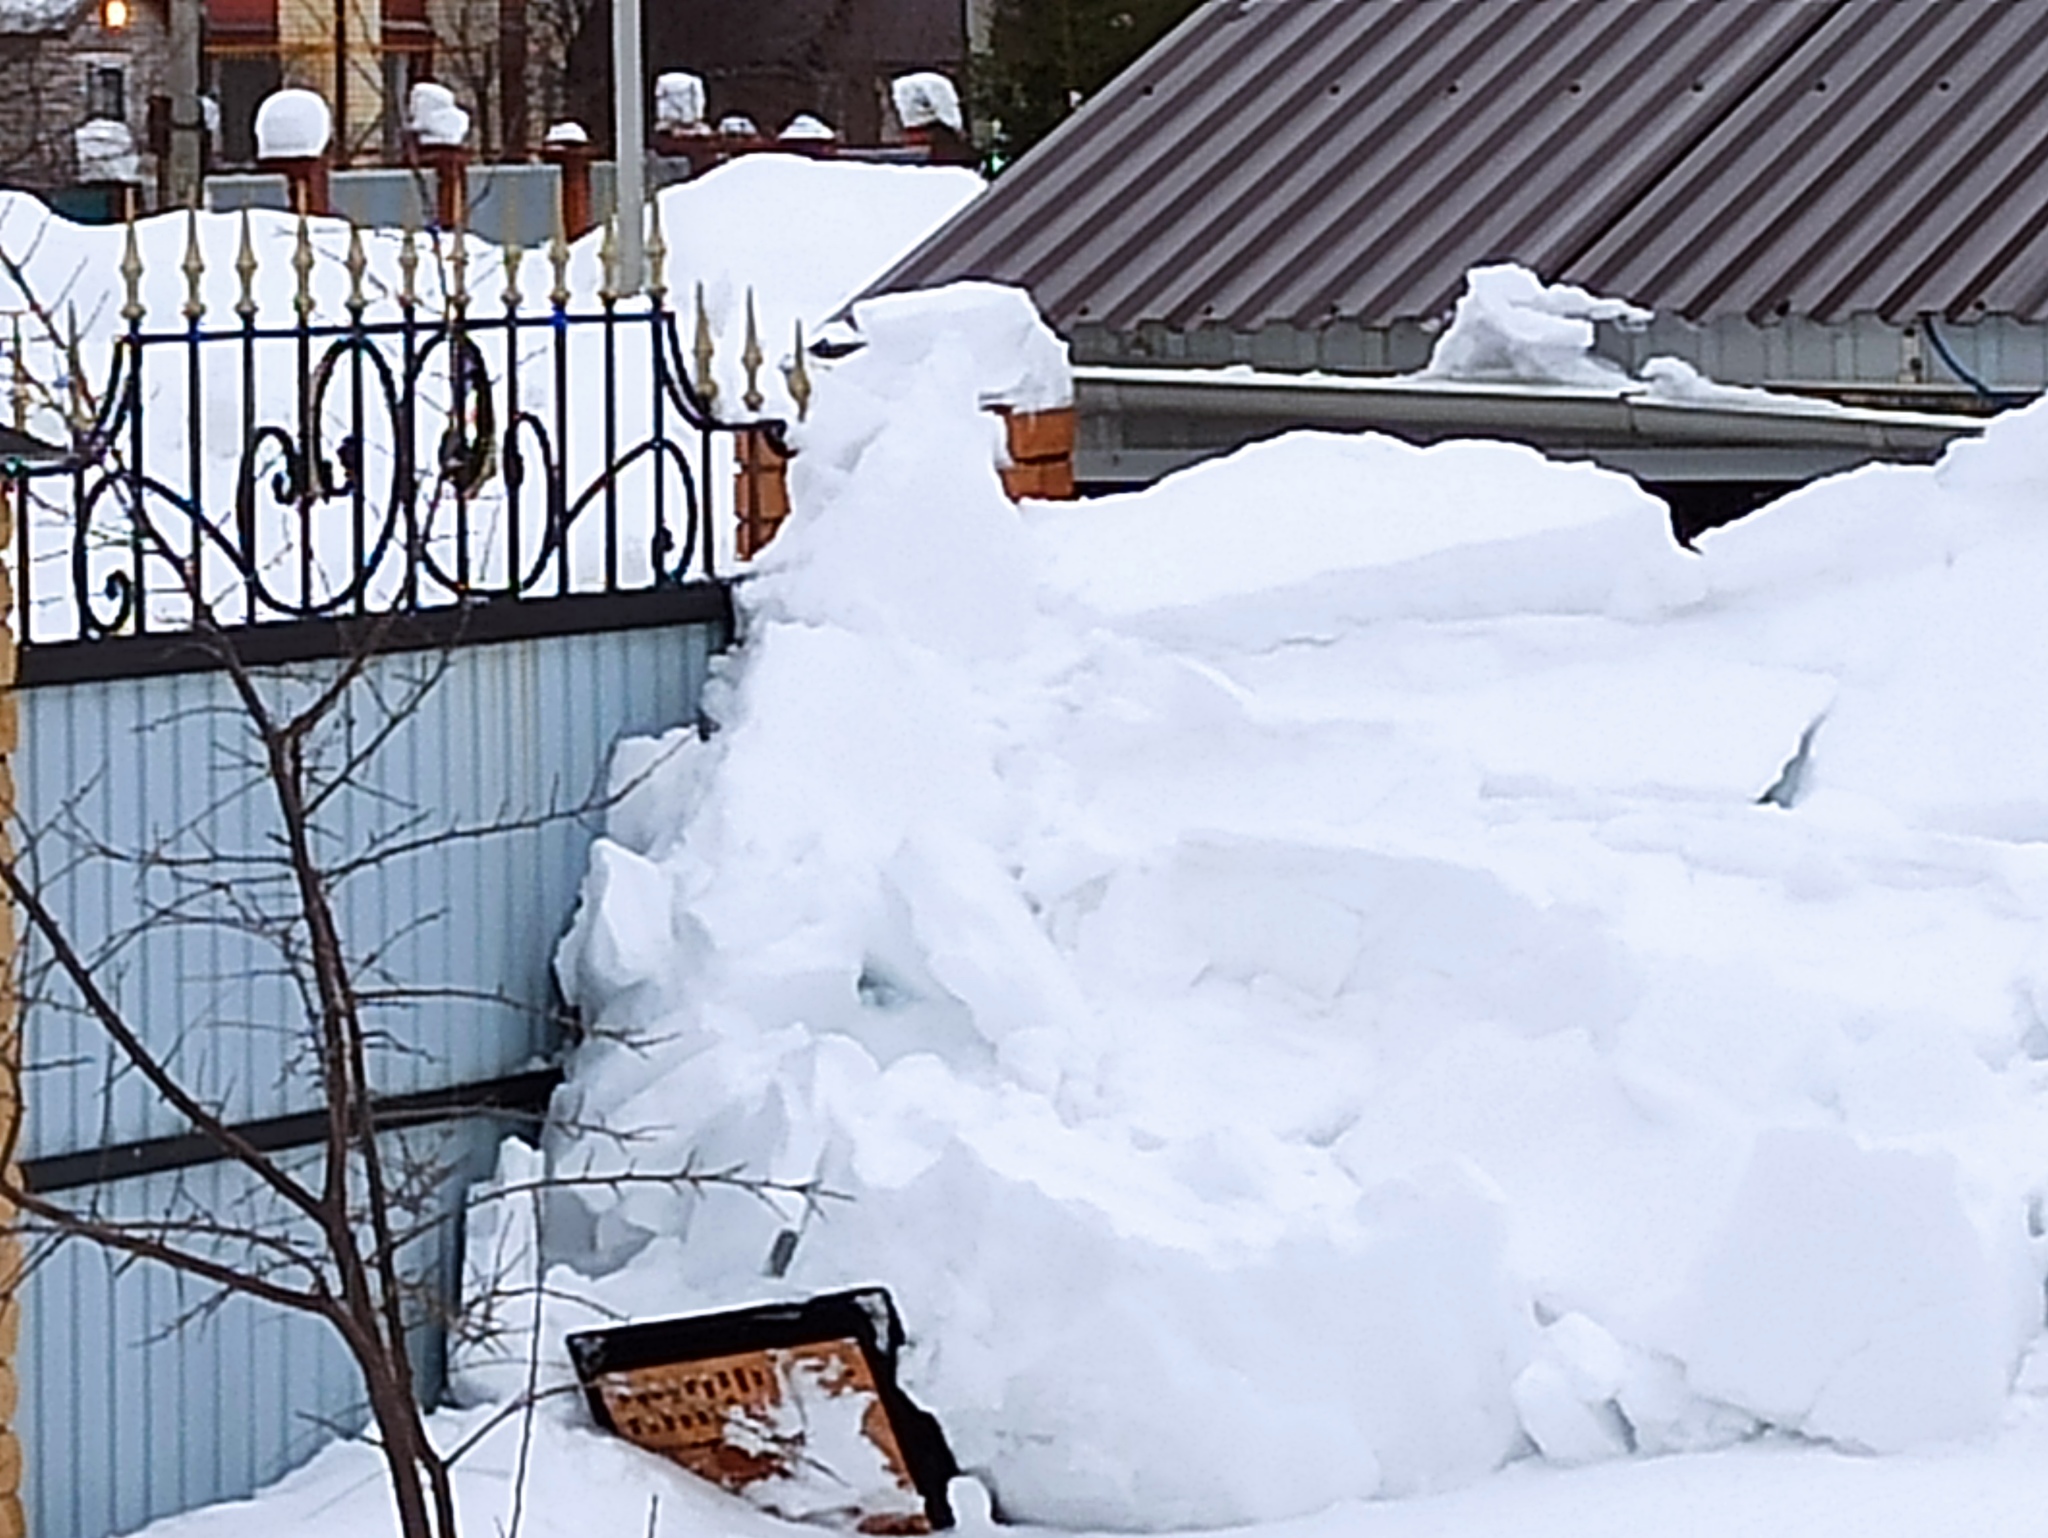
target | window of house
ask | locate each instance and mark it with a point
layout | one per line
(106, 92)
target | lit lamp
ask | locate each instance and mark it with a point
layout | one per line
(114, 15)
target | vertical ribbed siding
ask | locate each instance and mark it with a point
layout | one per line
(129, 1415)
(126, 1417)
(508, 733)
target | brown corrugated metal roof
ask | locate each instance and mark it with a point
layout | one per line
(1302, 161)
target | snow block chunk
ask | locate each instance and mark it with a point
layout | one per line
(1849, 1298)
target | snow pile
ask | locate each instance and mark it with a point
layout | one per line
(927, 98)
(434, 116)
(1294, 974)
(292, 125)
(106, 151)
(679, 101)
(1510, 325)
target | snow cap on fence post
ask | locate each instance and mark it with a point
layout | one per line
(293, 131)
(440, 127)
(568, 149)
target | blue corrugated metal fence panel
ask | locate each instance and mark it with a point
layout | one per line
(130, 1414)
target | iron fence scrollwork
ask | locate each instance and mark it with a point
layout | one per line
(401, 450)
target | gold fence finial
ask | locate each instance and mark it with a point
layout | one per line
(131, 277)
(458, 271)
(357, 264)
(657, 252)
(799, 377)
(302, 264)
(608, 261)
(706, 351)
(194, 268)
(245, 269)
(515, 257)
(409, 268)
(751, 359)
(558, 260)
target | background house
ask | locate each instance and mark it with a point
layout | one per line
(70, 62)
(64, 66)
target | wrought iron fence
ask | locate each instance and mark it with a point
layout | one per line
(421, 445)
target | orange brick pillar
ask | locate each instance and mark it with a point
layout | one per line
(1041, 445)
(760, 491)
(450, 165)
(306, 180)
(572, 159)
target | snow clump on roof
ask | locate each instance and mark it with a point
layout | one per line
(1509, 326)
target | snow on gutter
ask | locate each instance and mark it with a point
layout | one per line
(1440, 408)
(1518, 361)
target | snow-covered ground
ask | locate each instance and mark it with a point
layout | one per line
(1359, 990)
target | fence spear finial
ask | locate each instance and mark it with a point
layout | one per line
(706, 351)
(558, 259)
(608, 261)
(245, 269)
(515, 257)
(751, 359)
(799, 377)
(657, 254)
(357, 264)
(194, 267)
(458, 272)
(302, 264)
(131, 276)
(409, 268)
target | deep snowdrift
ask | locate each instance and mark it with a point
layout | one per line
(1350, 966)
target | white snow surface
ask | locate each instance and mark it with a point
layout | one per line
(927, 97)
(1293, 980)
(1294, 973)
(292, 124)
